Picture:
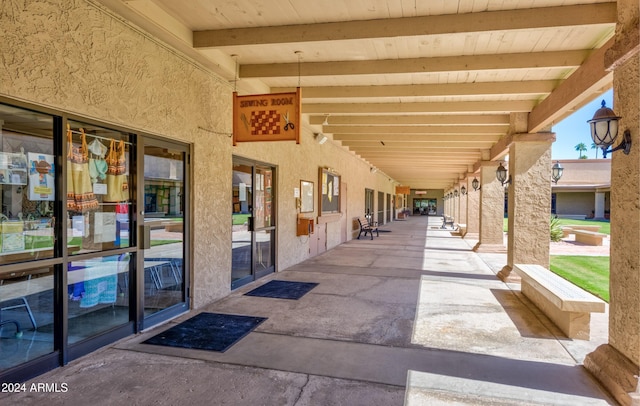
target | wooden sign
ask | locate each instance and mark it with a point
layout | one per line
(403, 190)
(267, 117)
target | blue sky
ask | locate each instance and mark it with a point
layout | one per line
(574, 129)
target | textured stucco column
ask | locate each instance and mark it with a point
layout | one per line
(491, 238)
(599, 206)
(473, 211)
(529, 202)
(462, 203)
(617, 364)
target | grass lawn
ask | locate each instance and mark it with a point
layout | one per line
(239, 219)
(590, 273)
(605, 226)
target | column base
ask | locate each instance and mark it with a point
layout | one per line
(491, 248)
(616, 373)
(506, 276)
(471, 236)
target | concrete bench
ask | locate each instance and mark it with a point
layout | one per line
(594, 228)
(567, 230)
(173, 226)
(566, 304)
(589, 237)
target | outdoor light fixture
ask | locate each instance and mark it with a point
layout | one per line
(463, 190)
(604, 130)
(501, 174)
(556, 172)
(475, 183)
(321, 138)
(373, 170)
(455, 193)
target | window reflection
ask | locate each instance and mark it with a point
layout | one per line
(98, 295)
(26, 315)
(27, 188)
(98, 197)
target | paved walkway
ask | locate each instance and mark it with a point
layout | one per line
(413, 317)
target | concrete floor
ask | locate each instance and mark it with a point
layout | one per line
(413, 317)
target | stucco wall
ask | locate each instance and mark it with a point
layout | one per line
(570, 203)
(76, 57)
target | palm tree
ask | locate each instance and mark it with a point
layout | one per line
(594, 146)
(580, 147)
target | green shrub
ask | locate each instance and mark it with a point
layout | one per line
(555, 229)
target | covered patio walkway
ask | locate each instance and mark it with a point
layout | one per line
(412, 317)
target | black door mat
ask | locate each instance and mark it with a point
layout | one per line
(207, 331)
(283, 289)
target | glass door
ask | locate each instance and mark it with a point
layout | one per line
(253, 226)
(163, 233)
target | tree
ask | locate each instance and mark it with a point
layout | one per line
(580, 148)
(594, 146)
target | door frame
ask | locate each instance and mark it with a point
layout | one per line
(143, 321)
(255, 275)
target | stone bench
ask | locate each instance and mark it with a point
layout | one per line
(567, 230)
(566, 304)
(589, 237)
(594, 228)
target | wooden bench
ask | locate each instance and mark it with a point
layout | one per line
(566, 304)
(447, 220)
(367, 227)
(589, 237)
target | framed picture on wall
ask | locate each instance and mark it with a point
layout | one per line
(329, 198)
(306, 196)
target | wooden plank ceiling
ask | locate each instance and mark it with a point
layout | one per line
(421, 90)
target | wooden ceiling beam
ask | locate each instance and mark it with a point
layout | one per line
(431, 119)
(500, 20)
(586, 83)
(489, 107)
(394, 139)
(393, 133)
(536, 87)
(463, 63)
(434, 144)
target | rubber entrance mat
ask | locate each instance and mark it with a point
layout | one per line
(283, 289)
(207, 331)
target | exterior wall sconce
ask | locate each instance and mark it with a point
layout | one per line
(455, 193)
(475, 183)
(501, 175)
(604, 131)
(321, 138)
(373, 170)
(463, 190)
(556, 172)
